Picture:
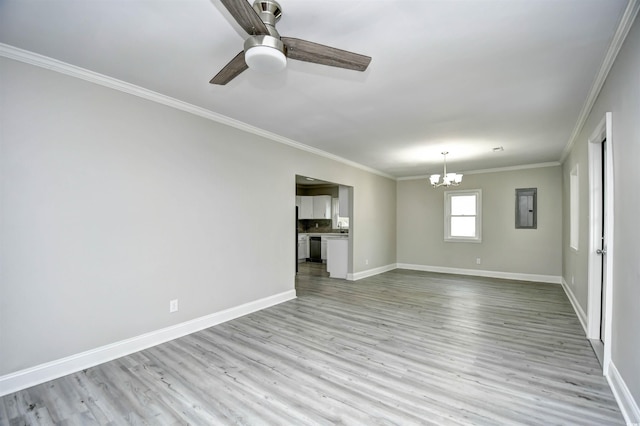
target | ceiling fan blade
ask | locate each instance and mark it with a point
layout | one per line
(231, 70)
(307, 51)
(245, 16)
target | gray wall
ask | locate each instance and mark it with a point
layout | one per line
(503, 248)
(621, 96)
(111, 205)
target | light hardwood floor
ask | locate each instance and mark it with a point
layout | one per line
(403, 347)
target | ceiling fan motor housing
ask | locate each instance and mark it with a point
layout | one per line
(270, 12)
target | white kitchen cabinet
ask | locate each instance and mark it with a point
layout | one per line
(337, 257)
(317, 207)
(303, 247)
(322, 207)
(305, 207)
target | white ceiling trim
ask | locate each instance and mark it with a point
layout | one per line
(512, 168)
(497, 169)
(614, 48)
(46, 62)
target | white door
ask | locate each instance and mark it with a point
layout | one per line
(599, 303)
(602, 251)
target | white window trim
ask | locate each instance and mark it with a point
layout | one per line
(447, 216)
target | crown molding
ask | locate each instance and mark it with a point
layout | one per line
(495, 170)
(614, 48)
(512, 168)
(46, 62)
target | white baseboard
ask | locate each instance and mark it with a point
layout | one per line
(582, 316)
(627, 404)
(371, 272)
(553, 279)
(61, 367)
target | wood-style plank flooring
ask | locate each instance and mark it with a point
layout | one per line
(403, 347)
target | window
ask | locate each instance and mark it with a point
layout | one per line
(463, 215)
(338, 222)
(574, 213)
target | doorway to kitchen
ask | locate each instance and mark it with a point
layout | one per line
(323, 227)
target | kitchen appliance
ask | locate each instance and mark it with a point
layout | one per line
(315, 249)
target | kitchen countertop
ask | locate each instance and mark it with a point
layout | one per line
(324, 234)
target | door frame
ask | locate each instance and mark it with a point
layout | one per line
(350, 238)
(601, 133)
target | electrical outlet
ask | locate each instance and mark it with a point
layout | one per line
(573, 281)
(173, 305)
(366, 261)
(478, 261)
(316, 224)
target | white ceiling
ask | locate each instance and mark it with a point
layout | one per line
(463, 76)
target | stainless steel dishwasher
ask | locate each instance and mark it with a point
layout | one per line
(315, 249)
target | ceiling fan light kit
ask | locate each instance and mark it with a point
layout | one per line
(265, 54)
(265, 51)
(448, 179)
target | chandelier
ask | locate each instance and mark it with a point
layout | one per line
(448, 179)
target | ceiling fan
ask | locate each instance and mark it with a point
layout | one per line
(266, 51)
